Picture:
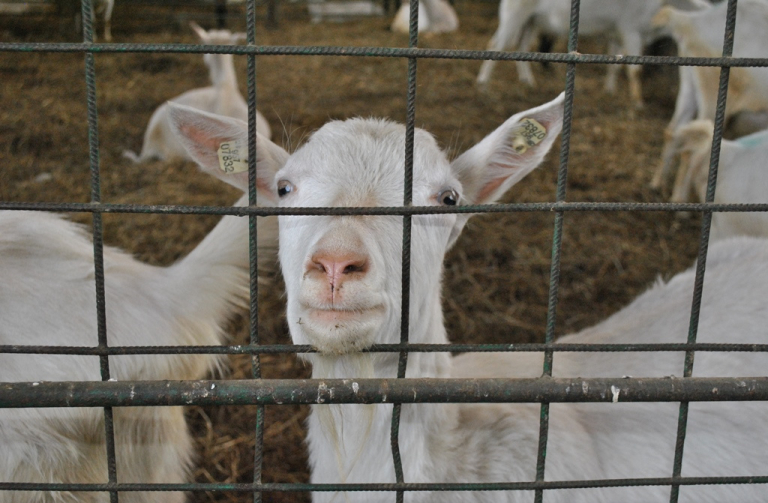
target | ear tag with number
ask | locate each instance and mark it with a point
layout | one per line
(233, 157)
(530, 135)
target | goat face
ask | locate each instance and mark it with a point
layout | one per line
(343, 273)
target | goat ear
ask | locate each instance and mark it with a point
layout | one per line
(504, 157)
(220, 146)
(199, 31)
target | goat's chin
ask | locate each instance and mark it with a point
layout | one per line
(341, 335)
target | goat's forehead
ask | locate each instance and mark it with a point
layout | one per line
(366, 153)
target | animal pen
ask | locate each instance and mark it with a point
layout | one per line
(265, 392)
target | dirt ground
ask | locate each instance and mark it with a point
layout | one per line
(496, 277)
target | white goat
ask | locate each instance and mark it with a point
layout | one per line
(741, 177)
(48, 298)
(222, 98)
(435, 16)
(626, 23)
(699, 33)
(343, 283)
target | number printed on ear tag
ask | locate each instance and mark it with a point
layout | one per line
(530, 135)
(233, 156)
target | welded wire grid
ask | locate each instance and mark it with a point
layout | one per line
(401, 390)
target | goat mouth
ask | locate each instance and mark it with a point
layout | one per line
(337, 316)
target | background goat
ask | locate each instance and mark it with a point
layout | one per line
(699, 33)
(435, 16)
(48, 298)
(741, 176)
(222, 98)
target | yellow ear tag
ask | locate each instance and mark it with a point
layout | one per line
(233, 157)
(530, 135)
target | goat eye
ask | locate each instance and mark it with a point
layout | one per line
(284, 187)
(448, 197)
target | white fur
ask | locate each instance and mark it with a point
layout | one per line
(222, 98)
(48, 298)
(343, 283)
(435, 16)
(700, 33)
(626, 24)
(741, 176)
(340, 11)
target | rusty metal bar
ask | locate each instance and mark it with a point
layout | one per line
(414, 486)
(367, 391)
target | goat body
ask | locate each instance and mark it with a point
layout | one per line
(741, 176)
(435, 16)
(343, 283)
(49, 298)
(625, 23)
(222, 98)
(699, 33)
(335, 11)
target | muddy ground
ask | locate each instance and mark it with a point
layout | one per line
(496, 277)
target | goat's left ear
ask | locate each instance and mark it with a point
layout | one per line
(504, 157)
(220, 146)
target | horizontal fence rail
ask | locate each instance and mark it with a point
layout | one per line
(385, 52)
(171, 209)
(387, 348)
(368, 391)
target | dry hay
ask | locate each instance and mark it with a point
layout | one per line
(496, 277)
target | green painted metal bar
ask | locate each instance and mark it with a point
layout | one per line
(385, 52)
(706, 223)
(86, 10)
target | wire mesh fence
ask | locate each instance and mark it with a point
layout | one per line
(401, 390)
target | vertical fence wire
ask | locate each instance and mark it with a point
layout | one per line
(554, 275)
(410, 122)
(706, 223)
(253, 247)
(98, 238)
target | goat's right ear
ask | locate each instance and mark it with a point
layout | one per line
(220, 146)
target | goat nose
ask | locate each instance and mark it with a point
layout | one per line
(339, 267)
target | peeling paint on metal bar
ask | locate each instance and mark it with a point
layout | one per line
(366, 391)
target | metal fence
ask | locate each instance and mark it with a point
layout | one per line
(261, 392)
